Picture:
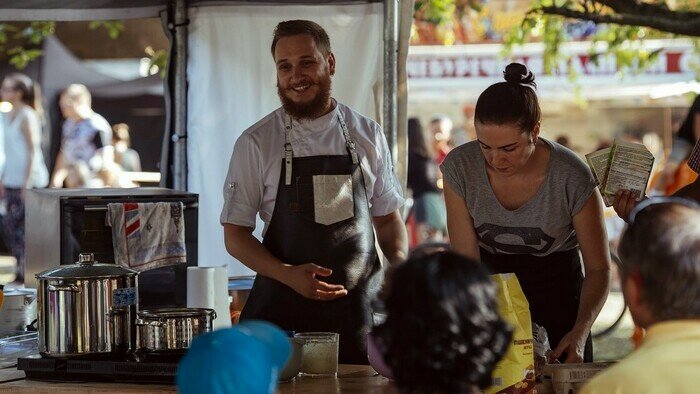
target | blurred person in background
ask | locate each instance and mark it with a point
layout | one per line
(465, 132)
(428, 204)
(24, 161)
(126, 157)
(84, 132)
(675, 174)
(563, 141)
(660, 280)
(443, 332)
(441, 131)
(111, 162)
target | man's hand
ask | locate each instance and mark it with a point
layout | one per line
(573, 345)
(624, 203)
(302, 278)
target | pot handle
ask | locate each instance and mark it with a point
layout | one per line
(70, 288)
(154, 323)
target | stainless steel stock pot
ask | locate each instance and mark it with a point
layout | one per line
(87, 309)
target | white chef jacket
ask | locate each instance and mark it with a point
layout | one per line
(256, 162)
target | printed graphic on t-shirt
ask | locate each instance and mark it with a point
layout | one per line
(514, 240)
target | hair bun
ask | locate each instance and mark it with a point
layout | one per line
(518, 73)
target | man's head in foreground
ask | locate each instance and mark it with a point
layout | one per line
(660, 254)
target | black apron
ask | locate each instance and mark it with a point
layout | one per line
(552, 285)
(346, 247)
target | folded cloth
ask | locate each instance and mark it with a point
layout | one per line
(147, 235)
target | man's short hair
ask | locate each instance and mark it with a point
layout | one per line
(78, 93)
(662, 245)
(299, 27)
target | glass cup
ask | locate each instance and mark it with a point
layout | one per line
(320, 354)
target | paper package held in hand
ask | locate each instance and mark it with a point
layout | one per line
(515, 373)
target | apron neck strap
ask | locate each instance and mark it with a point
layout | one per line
(349, 143)
(289, 153)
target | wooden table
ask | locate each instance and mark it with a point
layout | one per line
(351, 379)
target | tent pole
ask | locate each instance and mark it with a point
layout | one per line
(179, 136)
(391, 48)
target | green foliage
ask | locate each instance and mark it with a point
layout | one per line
(20, 57)
(438, 12)
(6, 31)
(157, 61)
(35, 33)
(25, 42)
(114, 28)
(624, 41)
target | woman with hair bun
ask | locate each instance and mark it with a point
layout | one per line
(523, 204)
(24, 162)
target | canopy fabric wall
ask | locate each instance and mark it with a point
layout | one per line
(232, 84)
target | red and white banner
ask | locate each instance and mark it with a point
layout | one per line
(482, 61)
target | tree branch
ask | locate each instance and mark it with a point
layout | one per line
(689, 26)
(636, 7)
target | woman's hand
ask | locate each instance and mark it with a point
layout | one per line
(573, 345)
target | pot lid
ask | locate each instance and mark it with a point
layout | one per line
(169, 313)
(20, 292)
(87, 268)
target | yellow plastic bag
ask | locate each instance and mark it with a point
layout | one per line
(515, 373)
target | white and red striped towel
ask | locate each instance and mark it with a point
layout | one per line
(147, 235)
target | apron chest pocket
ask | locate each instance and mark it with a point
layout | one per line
(333, 198)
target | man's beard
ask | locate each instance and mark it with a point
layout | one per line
(312, 109)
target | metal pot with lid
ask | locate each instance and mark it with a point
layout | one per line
(87, 309)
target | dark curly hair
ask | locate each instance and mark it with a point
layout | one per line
(443, 332)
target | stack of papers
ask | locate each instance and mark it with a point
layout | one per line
(625, 165)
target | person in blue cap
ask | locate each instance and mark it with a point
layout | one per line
(244, 359)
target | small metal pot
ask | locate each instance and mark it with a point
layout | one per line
(18, 310)
(87, 309)
(172, 329)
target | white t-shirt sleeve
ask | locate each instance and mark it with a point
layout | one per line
(387, 195)
(243, 189)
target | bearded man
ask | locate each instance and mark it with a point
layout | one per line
(321, 177)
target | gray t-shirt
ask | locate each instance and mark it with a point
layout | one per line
(544, 224)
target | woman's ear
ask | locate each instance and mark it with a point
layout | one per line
(535, 134)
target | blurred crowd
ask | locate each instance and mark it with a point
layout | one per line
(92, 153)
